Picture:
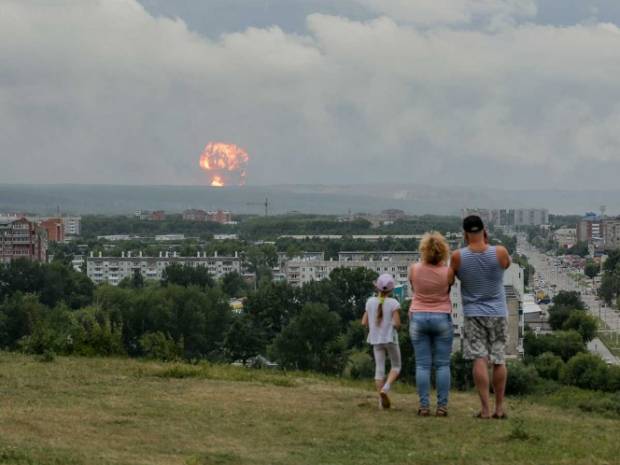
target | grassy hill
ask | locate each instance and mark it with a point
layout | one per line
(111, 411)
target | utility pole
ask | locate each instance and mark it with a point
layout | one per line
(266, 204)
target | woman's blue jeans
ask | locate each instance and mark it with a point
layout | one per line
(431, 335)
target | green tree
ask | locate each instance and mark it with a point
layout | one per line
(233, 284)
(350, 288)
(592, 269)
(586, 325)
(242, 340)
(19, 315)
(311, 341)
(272, 307)
(185, 275)
(564, 344)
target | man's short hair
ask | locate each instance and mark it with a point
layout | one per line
(473, 224)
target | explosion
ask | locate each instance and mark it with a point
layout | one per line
(224, 163)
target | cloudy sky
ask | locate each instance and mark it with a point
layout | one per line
(499, 93)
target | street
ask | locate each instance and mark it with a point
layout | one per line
(553, 276)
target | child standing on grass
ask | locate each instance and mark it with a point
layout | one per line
(382, 318)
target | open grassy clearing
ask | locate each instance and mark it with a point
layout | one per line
(112, 411)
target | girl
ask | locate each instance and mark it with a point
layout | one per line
(382, 318)
(431, 322)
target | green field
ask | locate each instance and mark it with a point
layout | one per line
(112, 411)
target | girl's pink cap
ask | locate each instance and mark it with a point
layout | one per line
(385, 282)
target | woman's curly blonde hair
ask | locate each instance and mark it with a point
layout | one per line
(434, 248)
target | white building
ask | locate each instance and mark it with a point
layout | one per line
(304, 270)
(73, 225)
(113, 270)
(510, 217)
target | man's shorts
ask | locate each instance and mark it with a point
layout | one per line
(485, 337)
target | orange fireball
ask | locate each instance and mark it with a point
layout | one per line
(224, 163)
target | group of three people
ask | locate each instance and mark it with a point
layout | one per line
(480, 269)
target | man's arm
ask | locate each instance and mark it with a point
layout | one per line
(503, 257)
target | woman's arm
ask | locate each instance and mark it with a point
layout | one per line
(396, 318)
(365, 319)
(411, 270)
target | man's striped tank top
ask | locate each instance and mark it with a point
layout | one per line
(482, 283)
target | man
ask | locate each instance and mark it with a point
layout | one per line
(480, 268)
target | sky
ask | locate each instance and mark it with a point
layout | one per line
(519, 94)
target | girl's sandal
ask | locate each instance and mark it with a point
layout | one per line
(503, 416)
(481, 417)
(441, 412)
(424, 412)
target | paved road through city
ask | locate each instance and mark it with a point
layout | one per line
(553, 279)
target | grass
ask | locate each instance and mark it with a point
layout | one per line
(74, 411)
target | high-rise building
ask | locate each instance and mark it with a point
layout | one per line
(510, 217)
(73, 225)
(21, 238)
(55, 229)
(219, 216)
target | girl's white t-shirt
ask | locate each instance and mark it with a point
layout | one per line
(384, 332)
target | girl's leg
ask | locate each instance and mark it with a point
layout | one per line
(423, 359)
(379, 352)
(393, 351)
(443, 351)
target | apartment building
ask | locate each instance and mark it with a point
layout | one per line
(602, 233)
(72, 225)
(219, 216)
(22, 238)
(113, 270)
(304, 270)
(510, 217)
(565, 237)
(55, 229)
(194, 214)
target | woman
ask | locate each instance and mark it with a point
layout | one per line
(431, 322)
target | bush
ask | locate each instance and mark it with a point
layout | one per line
(564, 344)
(462, 377)
(160, 346)
(360, 365)
(522, 379)
(549, 366)
(586, 371)
(613, 379)
(603, 404)
(583, 323)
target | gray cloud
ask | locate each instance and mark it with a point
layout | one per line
(111, 92)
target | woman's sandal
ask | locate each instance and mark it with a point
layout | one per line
(424, 412)
(441, 412)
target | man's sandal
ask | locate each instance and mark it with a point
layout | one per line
(441, 412)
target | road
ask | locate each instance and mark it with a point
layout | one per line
(553, 277)
(596, 346)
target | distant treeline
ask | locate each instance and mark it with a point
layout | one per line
(263, 227)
